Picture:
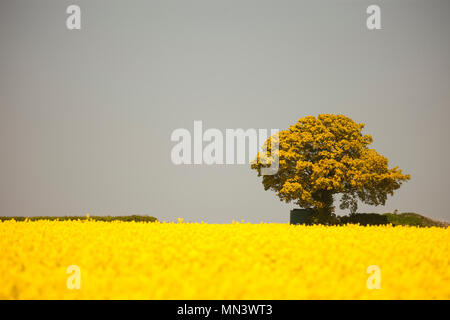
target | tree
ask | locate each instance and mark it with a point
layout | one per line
(323, 157)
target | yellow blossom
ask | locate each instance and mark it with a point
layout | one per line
(135, 260)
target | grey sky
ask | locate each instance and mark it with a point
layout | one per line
(86, 116)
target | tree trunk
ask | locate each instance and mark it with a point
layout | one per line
(325, 212)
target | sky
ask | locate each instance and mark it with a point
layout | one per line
(86, 115)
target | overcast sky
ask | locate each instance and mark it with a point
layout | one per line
(86, 115)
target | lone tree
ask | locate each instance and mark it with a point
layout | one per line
(325, 156)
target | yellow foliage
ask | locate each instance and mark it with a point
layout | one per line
(129, 260)
(327, 155)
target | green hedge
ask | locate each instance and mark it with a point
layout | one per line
(137, 218)
(400, 219)
(413, 219)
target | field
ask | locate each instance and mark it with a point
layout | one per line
(140, 260)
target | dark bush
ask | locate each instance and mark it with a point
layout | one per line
(365, 219)
(312, 216)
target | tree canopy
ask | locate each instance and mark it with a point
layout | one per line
(323, 156)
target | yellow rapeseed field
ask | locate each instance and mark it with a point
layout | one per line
(129, 260)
